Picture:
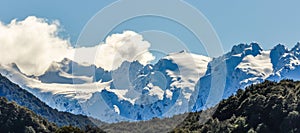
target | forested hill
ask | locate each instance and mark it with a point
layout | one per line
(267, 107)
(14, 118)
(17, 119)
(22, 97)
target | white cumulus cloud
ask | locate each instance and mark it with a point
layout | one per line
(128, 46)
(33, 44)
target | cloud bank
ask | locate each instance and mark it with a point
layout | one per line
(33, 44)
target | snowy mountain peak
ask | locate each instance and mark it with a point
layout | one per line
(246, 49)
(276, 53)
(296, 47)
(280, 48)
(296, 50)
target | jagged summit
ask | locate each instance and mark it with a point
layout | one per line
(296, 50)
(276, 54)
(296, 47)
(280, 48)
(252, 48)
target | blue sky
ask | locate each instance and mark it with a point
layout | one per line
(235, 21)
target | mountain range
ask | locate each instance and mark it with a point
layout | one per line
(178, 83)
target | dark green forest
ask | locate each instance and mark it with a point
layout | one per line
(267, 107)
(18, 119)
(14, 118)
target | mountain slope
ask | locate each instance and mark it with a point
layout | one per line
(19, 119)
(14, 93)
(14, 118)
